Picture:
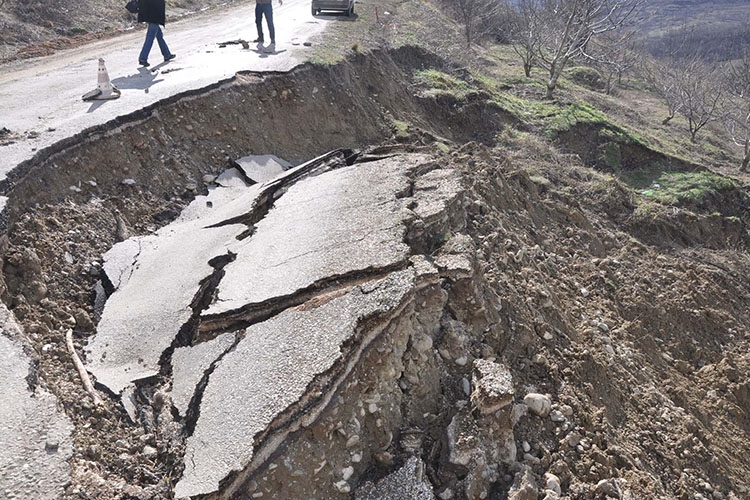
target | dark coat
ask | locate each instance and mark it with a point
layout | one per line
(151, 11)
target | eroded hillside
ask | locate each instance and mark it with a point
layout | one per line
(471, 294)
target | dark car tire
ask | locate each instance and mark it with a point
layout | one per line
(315, 11)
(350, 12)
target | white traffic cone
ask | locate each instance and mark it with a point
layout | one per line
(104, 88)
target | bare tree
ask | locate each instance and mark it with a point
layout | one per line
(521, 21)
(699, 92)
(736, 113)
(614, 54)
(564, 29)
(661, 77)
(476, 15)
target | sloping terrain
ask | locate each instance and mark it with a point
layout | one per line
(460, 291)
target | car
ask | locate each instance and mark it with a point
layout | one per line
(340, 5)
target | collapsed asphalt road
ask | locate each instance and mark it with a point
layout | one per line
(259, 350)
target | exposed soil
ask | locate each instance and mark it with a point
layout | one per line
(637, 327)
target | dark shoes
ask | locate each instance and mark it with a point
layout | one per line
(258, 40)
(169, 58)
(143, 63)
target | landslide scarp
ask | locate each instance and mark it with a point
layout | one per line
(627, 310)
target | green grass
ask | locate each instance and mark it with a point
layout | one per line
(438, 83)
(400, 129)
(676, 188)
(571, 115)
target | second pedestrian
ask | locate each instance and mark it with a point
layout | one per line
(265, 8)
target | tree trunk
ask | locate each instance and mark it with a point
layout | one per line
(552, 84)
(527, 69)
(666, 120)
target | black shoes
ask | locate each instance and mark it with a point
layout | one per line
(143, 63)
(171, 56)
(258, 40)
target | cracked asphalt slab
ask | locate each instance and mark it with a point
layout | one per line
(317, 230)
(289, 352)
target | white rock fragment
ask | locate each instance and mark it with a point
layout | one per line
(128, 182)
(538, 404)
(585, 292)
(557, 416)
(347, 473)
(552, 483)
(343, 486)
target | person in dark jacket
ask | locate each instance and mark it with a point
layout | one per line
(153, 13)
(264, 8)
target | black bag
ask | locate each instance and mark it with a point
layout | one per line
(132, 6)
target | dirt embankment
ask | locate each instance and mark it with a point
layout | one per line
(641, 346)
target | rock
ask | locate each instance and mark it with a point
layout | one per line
(573, 439)
(462, 438)
(552, 482)
(566, 410)
(557, 416)
(347, 472)
(149, 451)
(493, 386)
(524, 486)
(343, 486)
(128, 182)
(609, 488)
(538, 404)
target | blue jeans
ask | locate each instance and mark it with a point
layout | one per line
(153, 31)
(264, 9)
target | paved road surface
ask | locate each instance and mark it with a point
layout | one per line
(42, 97)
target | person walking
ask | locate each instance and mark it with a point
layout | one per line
(265, 8)
(153, 13)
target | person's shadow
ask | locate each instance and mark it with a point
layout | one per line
(142, 80)
(269, 50)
